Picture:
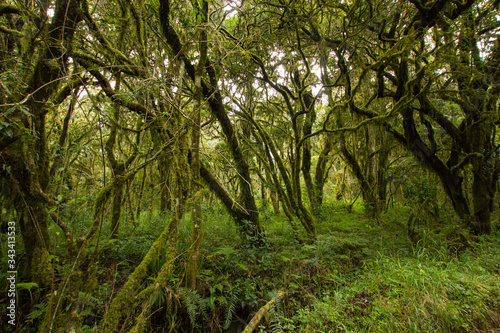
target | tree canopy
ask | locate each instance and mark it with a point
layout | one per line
(133, 109)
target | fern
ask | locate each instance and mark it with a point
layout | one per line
(276, 327)
(28, 286)
(194, 304)
(38, 312)
(87, 304)
(89, 300)
(231, 307)
(157, 298)
(277, 317)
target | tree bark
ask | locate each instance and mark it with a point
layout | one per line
(30, 175)
(321, 170)
(306, 152)
(196, 213)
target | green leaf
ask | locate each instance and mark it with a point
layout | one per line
(219, 287)
(26, 285)
(9, 111)
(38, 312)
(243, 267)
(227, 251)
(24, 109)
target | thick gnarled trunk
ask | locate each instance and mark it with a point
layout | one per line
(30, 157)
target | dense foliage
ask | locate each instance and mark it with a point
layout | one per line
(281, 165)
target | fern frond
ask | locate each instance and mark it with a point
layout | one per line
(89, 300)
(231, 307)
(194, 304)
(38, 312)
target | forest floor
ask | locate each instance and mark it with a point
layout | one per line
(360, 275)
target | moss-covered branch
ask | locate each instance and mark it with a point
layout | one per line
(125, 301)
(263, 311)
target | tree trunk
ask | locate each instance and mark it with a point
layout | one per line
(196, 213)
(116, 210)
(30, 173)
(306, 152)
(483, 192)
(165, 196)
(273, 195)
(320, 172)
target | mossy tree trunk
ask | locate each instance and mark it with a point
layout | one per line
(363, 168)
(130, 297)
(476, 81)
(196, 213)
(403, 79)
(300, 114)
(62, 312)
(164, 171)
(26, 149)
(321, 170)
(119, 169)
(58, 154)
(309, 120)
(273, 194)
(367, 191)
(286, 182)
(472, 141)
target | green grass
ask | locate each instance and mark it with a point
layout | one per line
(421, 293)
(360, 275)
(373, 280)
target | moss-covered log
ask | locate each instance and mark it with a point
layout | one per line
(125, 301)
(263, 311)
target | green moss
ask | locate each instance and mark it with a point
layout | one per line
(41, 267)
(140, 325)
(165, 271)
(124, 302)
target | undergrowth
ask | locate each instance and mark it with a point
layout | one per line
(360, 275)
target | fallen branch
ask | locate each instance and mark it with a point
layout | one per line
(262, 311)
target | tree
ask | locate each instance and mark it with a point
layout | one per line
(213, 96)
(196, 215)
(39, 81)
(406, 54)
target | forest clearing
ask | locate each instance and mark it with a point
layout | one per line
(249, 166)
